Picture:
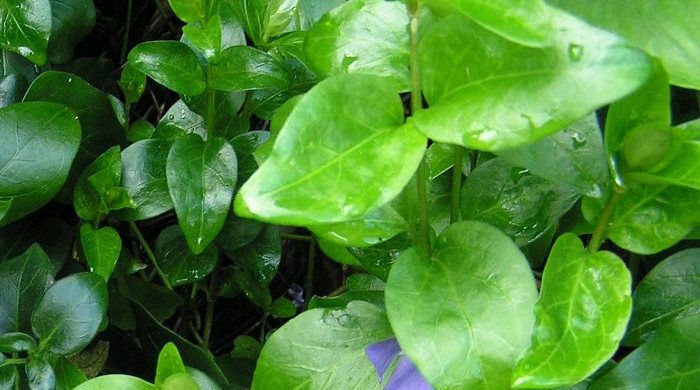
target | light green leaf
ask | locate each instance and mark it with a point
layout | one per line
(206, 38)
(70, 313)
(116, 381)
(241, 68)
(574, 157)
(169, 363)
(283, 308)
(180, 381)
(491, 94)
(378, 259)
(102, 247)
(25, 27)
(665, 292)
(374, 227)
(312, 174)
(72, 20)
(580, 318)
(171, 64)
(283, 16)
(669, 360)
(330, 343)
(68, 376)
(337, 253)
(201, 179)
(178, 262)
(449, 311)
(190, 10)
(251, 14)
(362, 36)
(40, 142)
(8, 374)
(665, 29)
(132, 82)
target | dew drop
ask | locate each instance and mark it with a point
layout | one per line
(70, 79)
(171, 117)
(578, 140)
(575, 52)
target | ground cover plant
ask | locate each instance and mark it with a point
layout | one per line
(360, 194)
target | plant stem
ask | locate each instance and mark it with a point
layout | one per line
(17, 361)
(127, 30)
(456, 184)
(310, 265)
(600, 227)
(149, 253)
(263, 325)
(298, 237)
(211, 301)
(417, 105)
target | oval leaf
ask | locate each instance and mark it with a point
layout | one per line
(170, 63)
(40, 375)
(72, 21)
(448, 311)
(312, 174)
(25, 27)
(178, 262)
(102, 247)
(580, 318)
(121, 382)
(241, 68)
(144, 177)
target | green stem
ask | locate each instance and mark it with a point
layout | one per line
(211, 301)
(417, 105)
(310, 266)
(456, 184)
(263, 325)
(17, 361)
(602, 225)
(127, 30)
(149, 253)
(211, 105)
(298, 237)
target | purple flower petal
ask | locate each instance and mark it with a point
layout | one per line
(407, 377)
(381, 354)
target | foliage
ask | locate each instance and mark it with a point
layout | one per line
(506, 190)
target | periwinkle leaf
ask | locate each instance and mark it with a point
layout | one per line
(261, 257)
(101, 247)
(169, 363)
(8, 374)
(190, 10)
(206, 38)
(132, 82)
(40, 375)
(580, 317)
(376, 226)
(178, 121)
(177, 260)
(171, 64)
(71, 21)
(116, 381)
(25, 27)
(13, 342)
(241, 68)
(251, 13)
(91, 201)
(68, 376)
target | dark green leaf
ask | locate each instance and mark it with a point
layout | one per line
(246, 347)
(524, 206)
(8, 375)
(116, 381)
(491, 94)
(448, 311)
(143, 176)
(311, 177)
(201, 179)
(132, 82)
(102, 247)
(158, 300)
(139, 130)
(580, 318)
(13, 342)
(24, 279)
(362, 36)
(241, 68)
(91, 195)
(669, 360)
(53, 235)
(256, 292)
(283, 308)
(330, 343)
(180, 120)
(665, 292)
(68, 376)
(206, 38)
(25, 27)
(178, 262)
(245, 146)
(237, 233)
(251, 14)
(376, 226)
(169, 363)
(69, 315)
(12, 89)
(71, 21)
(262, 256)
(170, 63)
(40, 375)
(41, 140)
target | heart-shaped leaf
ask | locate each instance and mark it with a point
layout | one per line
(102, 247)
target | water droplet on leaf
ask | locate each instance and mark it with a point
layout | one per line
(575, 52)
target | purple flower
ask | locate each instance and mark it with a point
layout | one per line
(405, 375)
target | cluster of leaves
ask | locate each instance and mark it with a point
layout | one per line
(448, 151)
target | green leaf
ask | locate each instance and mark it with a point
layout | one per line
(72, 20)
(669, 360)
(12, 89)
(53, 235)
(237, 233)
(68, 376)
(100, 128)
(330, 343)
(132, 83)
(362, 36)
(91, 201)
(116, 381)
(206, 38)
(8, 374)
(12, 342)
(284, 16)
(171, 64)
(201, 179)
(69, 315)
(169, 363)
(144, 177)
(662, 28)
(580, 318)
(180, 120)
(190, 10)
(524, 206)
(448, 311)
(311, 176)
(526, 22)
(378, 259)
(41, 140)
(40, 375)
(490, 94)
(245, 145)
(158, 300)
(376, 226)
(251, 14)
(246, 347)
(283, 308)
(258, 293)
(665, 292)
(178, 262)
(140, 130)
(241, 68)
(337, 253)
(574, 157)
(25, 27)
(102, 247)
(24, 279)
(181, 381)
(262, 256)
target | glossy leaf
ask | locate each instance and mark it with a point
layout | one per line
(69, 315)
(448, 311)
(524, 206)
(160, 302)
(337, 253)
(171, 64)
(40, 142)
(8, 375)
(178, 262)
(116, 381)
(376, 226)
(132, 82)
(262, 256)
(330, 342)
(169, 363)
(102, 247)
(25, 279)
(91, 197)
(362, 36)
(669, 360)
(237, 232)
(311, 176)
(100, 128)
(284, 16)
(12, 88)
(283, 308)
(180, 381)
(251, 14)
(490, 94)
(206, 38)
(25, 27)
(12, 342)
(574, 156)
(190, 10)
(241, 68)
(201, 179)
(665, 29)
(180, 120)
(664, 293)
(40, 375)
(144, 177)
(68, 376)
(378, 259)
(71, 21)
(580, 318)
